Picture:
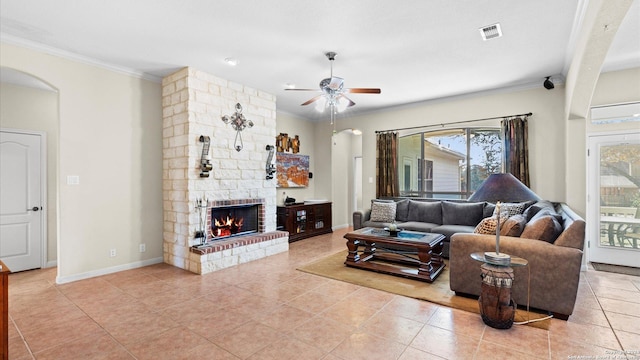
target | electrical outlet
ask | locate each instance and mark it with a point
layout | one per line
(112, 252)
(143, 247)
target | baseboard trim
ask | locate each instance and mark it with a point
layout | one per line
(50, 264)
(106, 271)
(337, 227)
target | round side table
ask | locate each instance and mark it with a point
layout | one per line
(496, 306)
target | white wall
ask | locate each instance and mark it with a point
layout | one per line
(27, 108)
(110, 135)
(342, 168)
(323, 174)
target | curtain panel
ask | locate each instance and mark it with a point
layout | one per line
(515, 157)
(387, 165)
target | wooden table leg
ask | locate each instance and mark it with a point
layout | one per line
(425, 268)
(369, 248)
(352, 246)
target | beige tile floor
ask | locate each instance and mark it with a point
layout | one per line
(268, 310)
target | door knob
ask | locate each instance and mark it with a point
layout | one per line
(35, 208)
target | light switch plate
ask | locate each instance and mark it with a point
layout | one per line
(73, 180)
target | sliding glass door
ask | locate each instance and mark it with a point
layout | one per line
(614, 199)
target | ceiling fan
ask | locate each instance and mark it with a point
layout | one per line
(333, 91)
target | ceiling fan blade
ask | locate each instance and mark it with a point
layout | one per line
(300, 89)
(351, 103)
(313, 99)
(362, 91)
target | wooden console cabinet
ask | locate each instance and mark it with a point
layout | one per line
(305, 220)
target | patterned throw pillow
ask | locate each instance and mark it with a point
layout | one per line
(383, 211)
(489, 225)
(509, 209)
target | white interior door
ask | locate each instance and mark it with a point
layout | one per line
(614, 199)
(21, 215)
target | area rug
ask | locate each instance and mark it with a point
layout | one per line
(437, 292)
(627, 270)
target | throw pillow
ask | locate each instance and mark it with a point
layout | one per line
(489, 226)
(402, 210)
(537, 207)
(545, 228)
(425, 211)
(510, 209)
(383, 211)
(513, 226)
(469, 214)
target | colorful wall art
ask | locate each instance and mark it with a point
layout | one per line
(292, 170)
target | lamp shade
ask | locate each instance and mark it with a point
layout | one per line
(503, 187)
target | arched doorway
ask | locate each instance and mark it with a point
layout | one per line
(28, 109)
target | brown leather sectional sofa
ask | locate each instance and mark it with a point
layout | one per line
(552, 275)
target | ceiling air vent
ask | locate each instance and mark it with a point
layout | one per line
(490, 32)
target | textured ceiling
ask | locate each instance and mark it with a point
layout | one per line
(413, 50)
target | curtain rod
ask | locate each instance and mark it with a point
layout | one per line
(453, 123)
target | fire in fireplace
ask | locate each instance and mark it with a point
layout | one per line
(233, 220)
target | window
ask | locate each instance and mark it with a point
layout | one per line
(451, 164)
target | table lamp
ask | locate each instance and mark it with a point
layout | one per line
(497, 188)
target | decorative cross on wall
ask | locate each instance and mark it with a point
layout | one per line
(239, 123)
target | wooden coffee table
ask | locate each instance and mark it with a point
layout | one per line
(410, 254)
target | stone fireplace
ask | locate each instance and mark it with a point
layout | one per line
(193, 103)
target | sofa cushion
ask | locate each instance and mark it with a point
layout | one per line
(383, 211)
(448, 230)
(402, 210)
(425, 211)
(417, 226)
(573, 235)
(489, 208)
(545, 228)
(376, 224)
(489, 225)
(513, 226)
(469, 214)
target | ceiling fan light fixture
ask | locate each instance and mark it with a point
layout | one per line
(333, 93)
(342, 104)
(231, 61)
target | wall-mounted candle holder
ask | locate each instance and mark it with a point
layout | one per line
(205, 161)
(269, 167)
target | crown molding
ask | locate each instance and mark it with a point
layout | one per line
(36, 46)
